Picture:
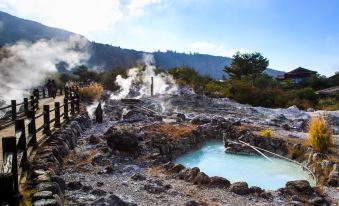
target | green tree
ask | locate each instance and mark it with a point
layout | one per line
(247, 64)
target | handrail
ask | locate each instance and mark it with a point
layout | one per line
(15, 147)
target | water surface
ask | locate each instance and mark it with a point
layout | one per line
(255, 170)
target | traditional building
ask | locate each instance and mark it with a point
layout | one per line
(297, 75)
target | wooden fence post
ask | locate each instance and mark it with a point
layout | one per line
(26, 105)
(66, 92)
(77, 103)
(13, 104)
(60, 90)
(32, 128)
(72, 104)
(9, 146)
(57, 115)
(47, 128)
(43, 93)
(22, 145)
(37, 93)
(66, 118)
(32, 103)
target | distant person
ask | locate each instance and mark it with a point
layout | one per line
(54, 88)
(49, 88)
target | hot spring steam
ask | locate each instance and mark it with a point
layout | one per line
(138, 83)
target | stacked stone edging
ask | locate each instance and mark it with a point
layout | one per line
(48, 186)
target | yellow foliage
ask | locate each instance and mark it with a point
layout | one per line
(266, 132)
(91, 92)
(320, 134)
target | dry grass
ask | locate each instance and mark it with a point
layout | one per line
(320, 134)
(267, 132)
(26, 197)
(172, 131)
(91, 92)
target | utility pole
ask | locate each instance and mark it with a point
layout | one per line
(152, 86)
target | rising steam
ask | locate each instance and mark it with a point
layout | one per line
(25, 65)
(138, 82)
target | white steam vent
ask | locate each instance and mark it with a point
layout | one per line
(25, 65)
(138, 83)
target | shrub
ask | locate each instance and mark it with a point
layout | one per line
(266, 133)
(320, 134)
(91, 92)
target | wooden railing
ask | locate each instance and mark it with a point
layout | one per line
(12, 113)
(15, 148)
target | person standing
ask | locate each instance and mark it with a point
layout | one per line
(49, 88)
(54, 88)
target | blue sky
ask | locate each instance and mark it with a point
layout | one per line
(290, 33)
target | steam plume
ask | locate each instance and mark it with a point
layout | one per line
(138, 82)
(25, 65)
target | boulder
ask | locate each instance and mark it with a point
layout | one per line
(192, 173)
(122, 140)
(112, 200)
(201, 179)
(181, 117)
(138, 177)
(256, 190)
(177, 168)
(200, 119)
(298, 187)
(98, 192)
(219, 182)
(75, 185)
(42, 195)
(49, 186)
(94, 139)
(240, 188)
(333, 178)
(47, 202)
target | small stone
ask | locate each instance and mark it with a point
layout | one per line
(46, 202)
(93, 140)
(100, 184)
(138, 177)
(87, 188)
(76, 185)
(177, 168)
(60, 181)
(42, 195)
(240, 188)
(109, 169)
(294, 203)
(98, 192)
(318, 201)
(192, 203)
(49, 186)
(256, 190)
(296, 198)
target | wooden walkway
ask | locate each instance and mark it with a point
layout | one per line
(9, 131)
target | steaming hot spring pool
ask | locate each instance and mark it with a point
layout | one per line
(255, 170)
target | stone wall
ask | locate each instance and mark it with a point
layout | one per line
(48, 186)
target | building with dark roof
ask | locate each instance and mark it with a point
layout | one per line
(297, 75)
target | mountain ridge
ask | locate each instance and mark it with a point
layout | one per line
(107, 56)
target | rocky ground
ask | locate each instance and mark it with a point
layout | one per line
(127, 159)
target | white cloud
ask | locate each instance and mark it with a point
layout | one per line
(137, 7)
(79, 16)
(210, 48)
